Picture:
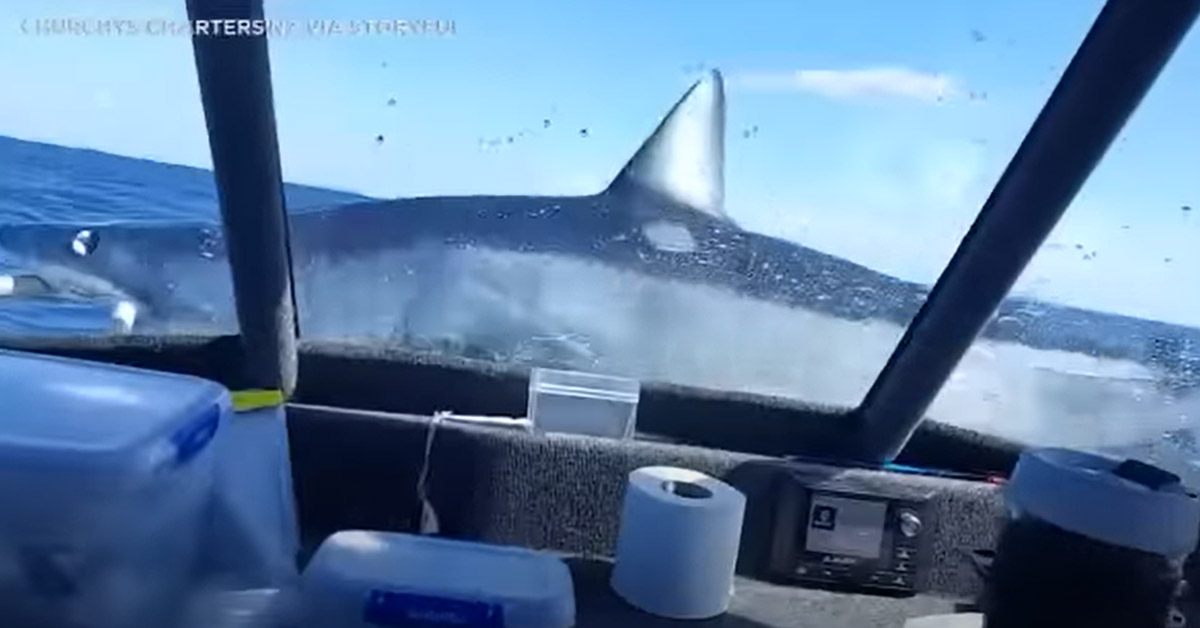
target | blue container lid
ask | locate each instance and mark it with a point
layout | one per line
(58, 411)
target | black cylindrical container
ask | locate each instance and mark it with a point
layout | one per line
(1091, 541)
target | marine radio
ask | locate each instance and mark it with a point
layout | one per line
(862, 539)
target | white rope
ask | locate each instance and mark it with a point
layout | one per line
(429, 520)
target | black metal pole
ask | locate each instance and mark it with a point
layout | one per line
(235, 86)
(1113, 69)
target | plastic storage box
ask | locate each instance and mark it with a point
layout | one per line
(105, 479)
(572, 402)
(361, 579)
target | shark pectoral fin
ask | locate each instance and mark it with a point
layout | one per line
(684, 159)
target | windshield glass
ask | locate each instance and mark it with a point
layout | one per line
(1099, 344)
(109, 220)
(471, 186)
(859, 141)
(91, 124)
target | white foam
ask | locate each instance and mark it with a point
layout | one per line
(541, 308)
(124, 314)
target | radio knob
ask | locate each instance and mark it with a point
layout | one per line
(910, 523)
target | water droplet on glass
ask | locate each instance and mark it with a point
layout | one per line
(85, 242)
(208, 243)
(583, 132)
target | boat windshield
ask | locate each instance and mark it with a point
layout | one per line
(492, 182)
(1098, 345)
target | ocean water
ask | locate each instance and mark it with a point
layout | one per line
(43, 184)
(528, 308)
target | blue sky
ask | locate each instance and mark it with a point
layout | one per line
(875, 129)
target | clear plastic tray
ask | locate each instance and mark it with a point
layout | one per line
(583, 403)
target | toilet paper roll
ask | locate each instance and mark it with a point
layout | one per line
(678, 543)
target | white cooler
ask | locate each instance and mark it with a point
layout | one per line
(105, 481)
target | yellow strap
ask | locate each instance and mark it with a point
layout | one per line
(256, 399)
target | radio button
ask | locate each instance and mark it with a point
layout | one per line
(910, 523)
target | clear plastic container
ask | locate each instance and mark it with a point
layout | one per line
(105, 479)
(360, 579)
(583, 403)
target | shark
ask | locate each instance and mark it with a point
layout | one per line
(650, 277)
(662, 216)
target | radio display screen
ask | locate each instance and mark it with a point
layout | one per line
(844, 526)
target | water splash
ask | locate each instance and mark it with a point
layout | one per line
(669, 236)
(124, 315)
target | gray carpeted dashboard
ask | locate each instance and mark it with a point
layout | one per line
(357, 469)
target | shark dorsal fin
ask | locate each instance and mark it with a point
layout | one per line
(684, 159)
